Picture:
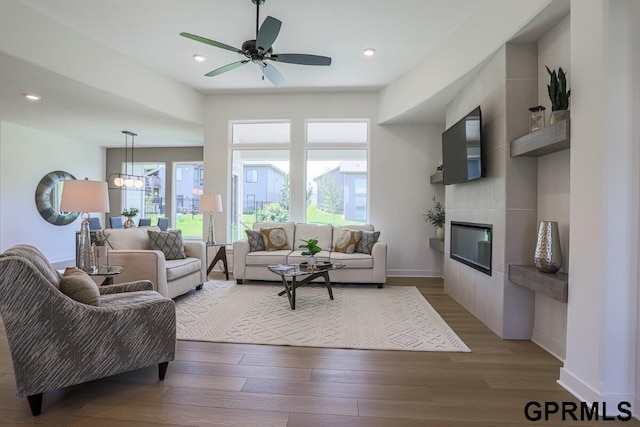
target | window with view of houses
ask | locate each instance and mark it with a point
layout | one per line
(334, 177)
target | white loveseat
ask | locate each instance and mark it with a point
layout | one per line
(359, 267)
(131, 248)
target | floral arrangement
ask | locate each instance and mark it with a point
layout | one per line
(131, 212)
(99, 239)
(436, 215)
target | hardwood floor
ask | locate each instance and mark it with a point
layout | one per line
(255, 385)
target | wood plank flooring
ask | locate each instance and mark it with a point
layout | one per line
(219, 384)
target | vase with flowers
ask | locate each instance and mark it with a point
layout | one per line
(129, 214)
(436, 216)
(100, 251)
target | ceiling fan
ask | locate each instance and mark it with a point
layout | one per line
(260, 50)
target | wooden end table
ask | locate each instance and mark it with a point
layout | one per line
(221, 255)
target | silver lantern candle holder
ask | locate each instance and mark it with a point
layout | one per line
(536, 119)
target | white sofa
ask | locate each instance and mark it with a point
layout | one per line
(131, 248)
(359, 267)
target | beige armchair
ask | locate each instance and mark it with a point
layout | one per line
(131, 248)
(56, 341)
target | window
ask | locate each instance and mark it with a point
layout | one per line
(261, 133)
(338, 131)
(187, 189)
(266, 198)
(330, 176)
(334, 178)
(337, 177)
(263, 194)
(150, 201)
(252, 175)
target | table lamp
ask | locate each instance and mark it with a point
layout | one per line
(84, 196)
(211, 203)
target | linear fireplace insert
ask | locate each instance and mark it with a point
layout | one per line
(470, 244)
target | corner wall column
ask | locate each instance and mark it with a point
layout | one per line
(603, 277)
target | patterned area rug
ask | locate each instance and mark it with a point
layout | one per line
(392, 318)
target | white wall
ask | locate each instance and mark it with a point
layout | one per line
(550, 325)
(634, 63)
(402, 158)
(26, 156)
(600, 362)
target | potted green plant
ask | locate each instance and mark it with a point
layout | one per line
(436, 216)
(558, 94)
(100, 250)
(129, 214)
(311, 249)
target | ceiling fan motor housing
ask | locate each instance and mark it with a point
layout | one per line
(251, 51)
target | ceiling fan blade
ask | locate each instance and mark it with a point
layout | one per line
(272, 74)
(211, 42)
(268, 33)
(226, 68)
(301, 58)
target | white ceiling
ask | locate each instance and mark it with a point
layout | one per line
(404, 33)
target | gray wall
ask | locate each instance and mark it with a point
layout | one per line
(506, 198)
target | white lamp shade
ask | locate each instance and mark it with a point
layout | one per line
(84, 196)
(211, 203)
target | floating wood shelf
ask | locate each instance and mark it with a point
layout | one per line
(436, 178)
(436, 244)
(555, 285)
(544, 141)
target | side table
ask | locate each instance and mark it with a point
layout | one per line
(221, 255)
(108, 271)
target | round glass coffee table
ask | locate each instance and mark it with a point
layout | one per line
(290, 274)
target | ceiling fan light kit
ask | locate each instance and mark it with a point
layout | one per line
(260, 50)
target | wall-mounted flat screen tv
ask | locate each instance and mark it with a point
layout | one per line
(462, 150)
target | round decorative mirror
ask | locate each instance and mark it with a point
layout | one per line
(49, 195)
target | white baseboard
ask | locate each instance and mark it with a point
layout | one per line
(586, 393)
(414, 273)
(551, 345)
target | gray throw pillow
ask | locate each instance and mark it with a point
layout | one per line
(256, 241)
(366, 242)
(77, 284)
(169, 242)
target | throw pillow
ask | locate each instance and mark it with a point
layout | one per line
(347, 241)
(369, 238)
(77, 284)
(274, 238)
(256, 241)
(169, 242)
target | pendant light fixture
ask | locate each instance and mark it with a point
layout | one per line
(127, 180)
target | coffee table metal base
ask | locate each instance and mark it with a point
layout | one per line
(291, 285)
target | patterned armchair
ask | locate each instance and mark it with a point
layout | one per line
(56, 341)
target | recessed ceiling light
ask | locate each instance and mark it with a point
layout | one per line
(199, 58)
(369, 51)
(32, 96)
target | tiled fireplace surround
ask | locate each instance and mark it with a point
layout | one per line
(506, 198)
